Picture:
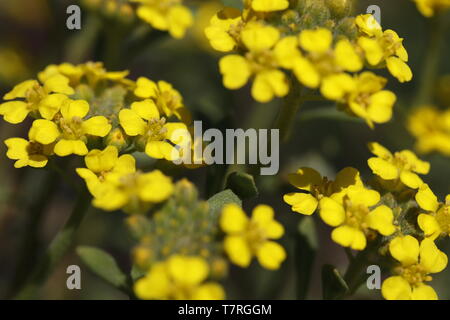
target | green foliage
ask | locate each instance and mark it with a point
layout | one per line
(242, 184)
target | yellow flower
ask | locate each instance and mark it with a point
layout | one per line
(269, 5)
(133, 192)
(246, 237)
(45, 99)
(431, 128)
(314, 187)
(168, 100)
(166, 15)
(369, 102)
(324, 66)
(383, 47)
(28, 153)
(355, 218)
(159, 137)
(70, 129)
(417, 262)
(104, 166)
(224, 29)
(402, 166)
(260, 61)
(436, 220)
(429, 7)
(180, 278)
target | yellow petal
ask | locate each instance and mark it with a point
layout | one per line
(145, 88)
(102, 161)
(238, 250)
(347, 57)
(65, 148)
(146, 109)
(383, 168)
(58, 84)
(75, 108)
(432, 259)
(410, 179)
(155, 186)
(131, 122)
(17, 148)
(306, 73)
(424, 292)
(269, 5)
(20, 90)
(380, 151)
(426, 199)
(257, 37)
(396, 288)
(188, 271)
(381, 219)
(429, 225)
(97, 126)
(14, 111)
(235, 71)
(399, 69)
(318, 40)
(44, 131)
(405, 249)
(233, 219)
(348, 236)
(303, 203)
(331, 212)
(270, 255)
(51, 104)
(380, 107)
(268, 84)
(209, 291)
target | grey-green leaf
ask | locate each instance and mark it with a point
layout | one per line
(239, 4)
(103, 265)
(220, 199)
(242, 184)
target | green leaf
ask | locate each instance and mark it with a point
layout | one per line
(333, 285)
(242, 184)
(220, 199)
(239, 4)
(103, 265)
(306, 245)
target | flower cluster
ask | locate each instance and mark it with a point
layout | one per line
(396, 212)
(281, 44)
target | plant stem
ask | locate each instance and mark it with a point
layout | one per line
(432, 61)
(286, 117)
(57, 249)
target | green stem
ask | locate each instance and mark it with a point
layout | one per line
(431, 64)
(286, 117)
(57, 249)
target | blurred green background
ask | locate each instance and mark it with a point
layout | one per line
(33, 34)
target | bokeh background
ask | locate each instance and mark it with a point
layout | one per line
(33, 34)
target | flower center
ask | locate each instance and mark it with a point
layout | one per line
(443, 219)
(156, 130)
(35, 148)
(414, 274)
(356, 215)
(72, 128)
(255, 236)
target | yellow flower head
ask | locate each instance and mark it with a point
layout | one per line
(430, 7)
(325, 66)
(224, 29)
(356, 218)
(431, 128)
(42, 100)
(104, 166)
(402, 166)
(166, 15)
(369, 101)
(180, 278)
(28, 153)
(71, 128)
(436, 220)
(383, 48)
(133, 192)
(262, 43)
(159, 137)
(417, 263)
(314, 187)
(246, 237)
(168, 100)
